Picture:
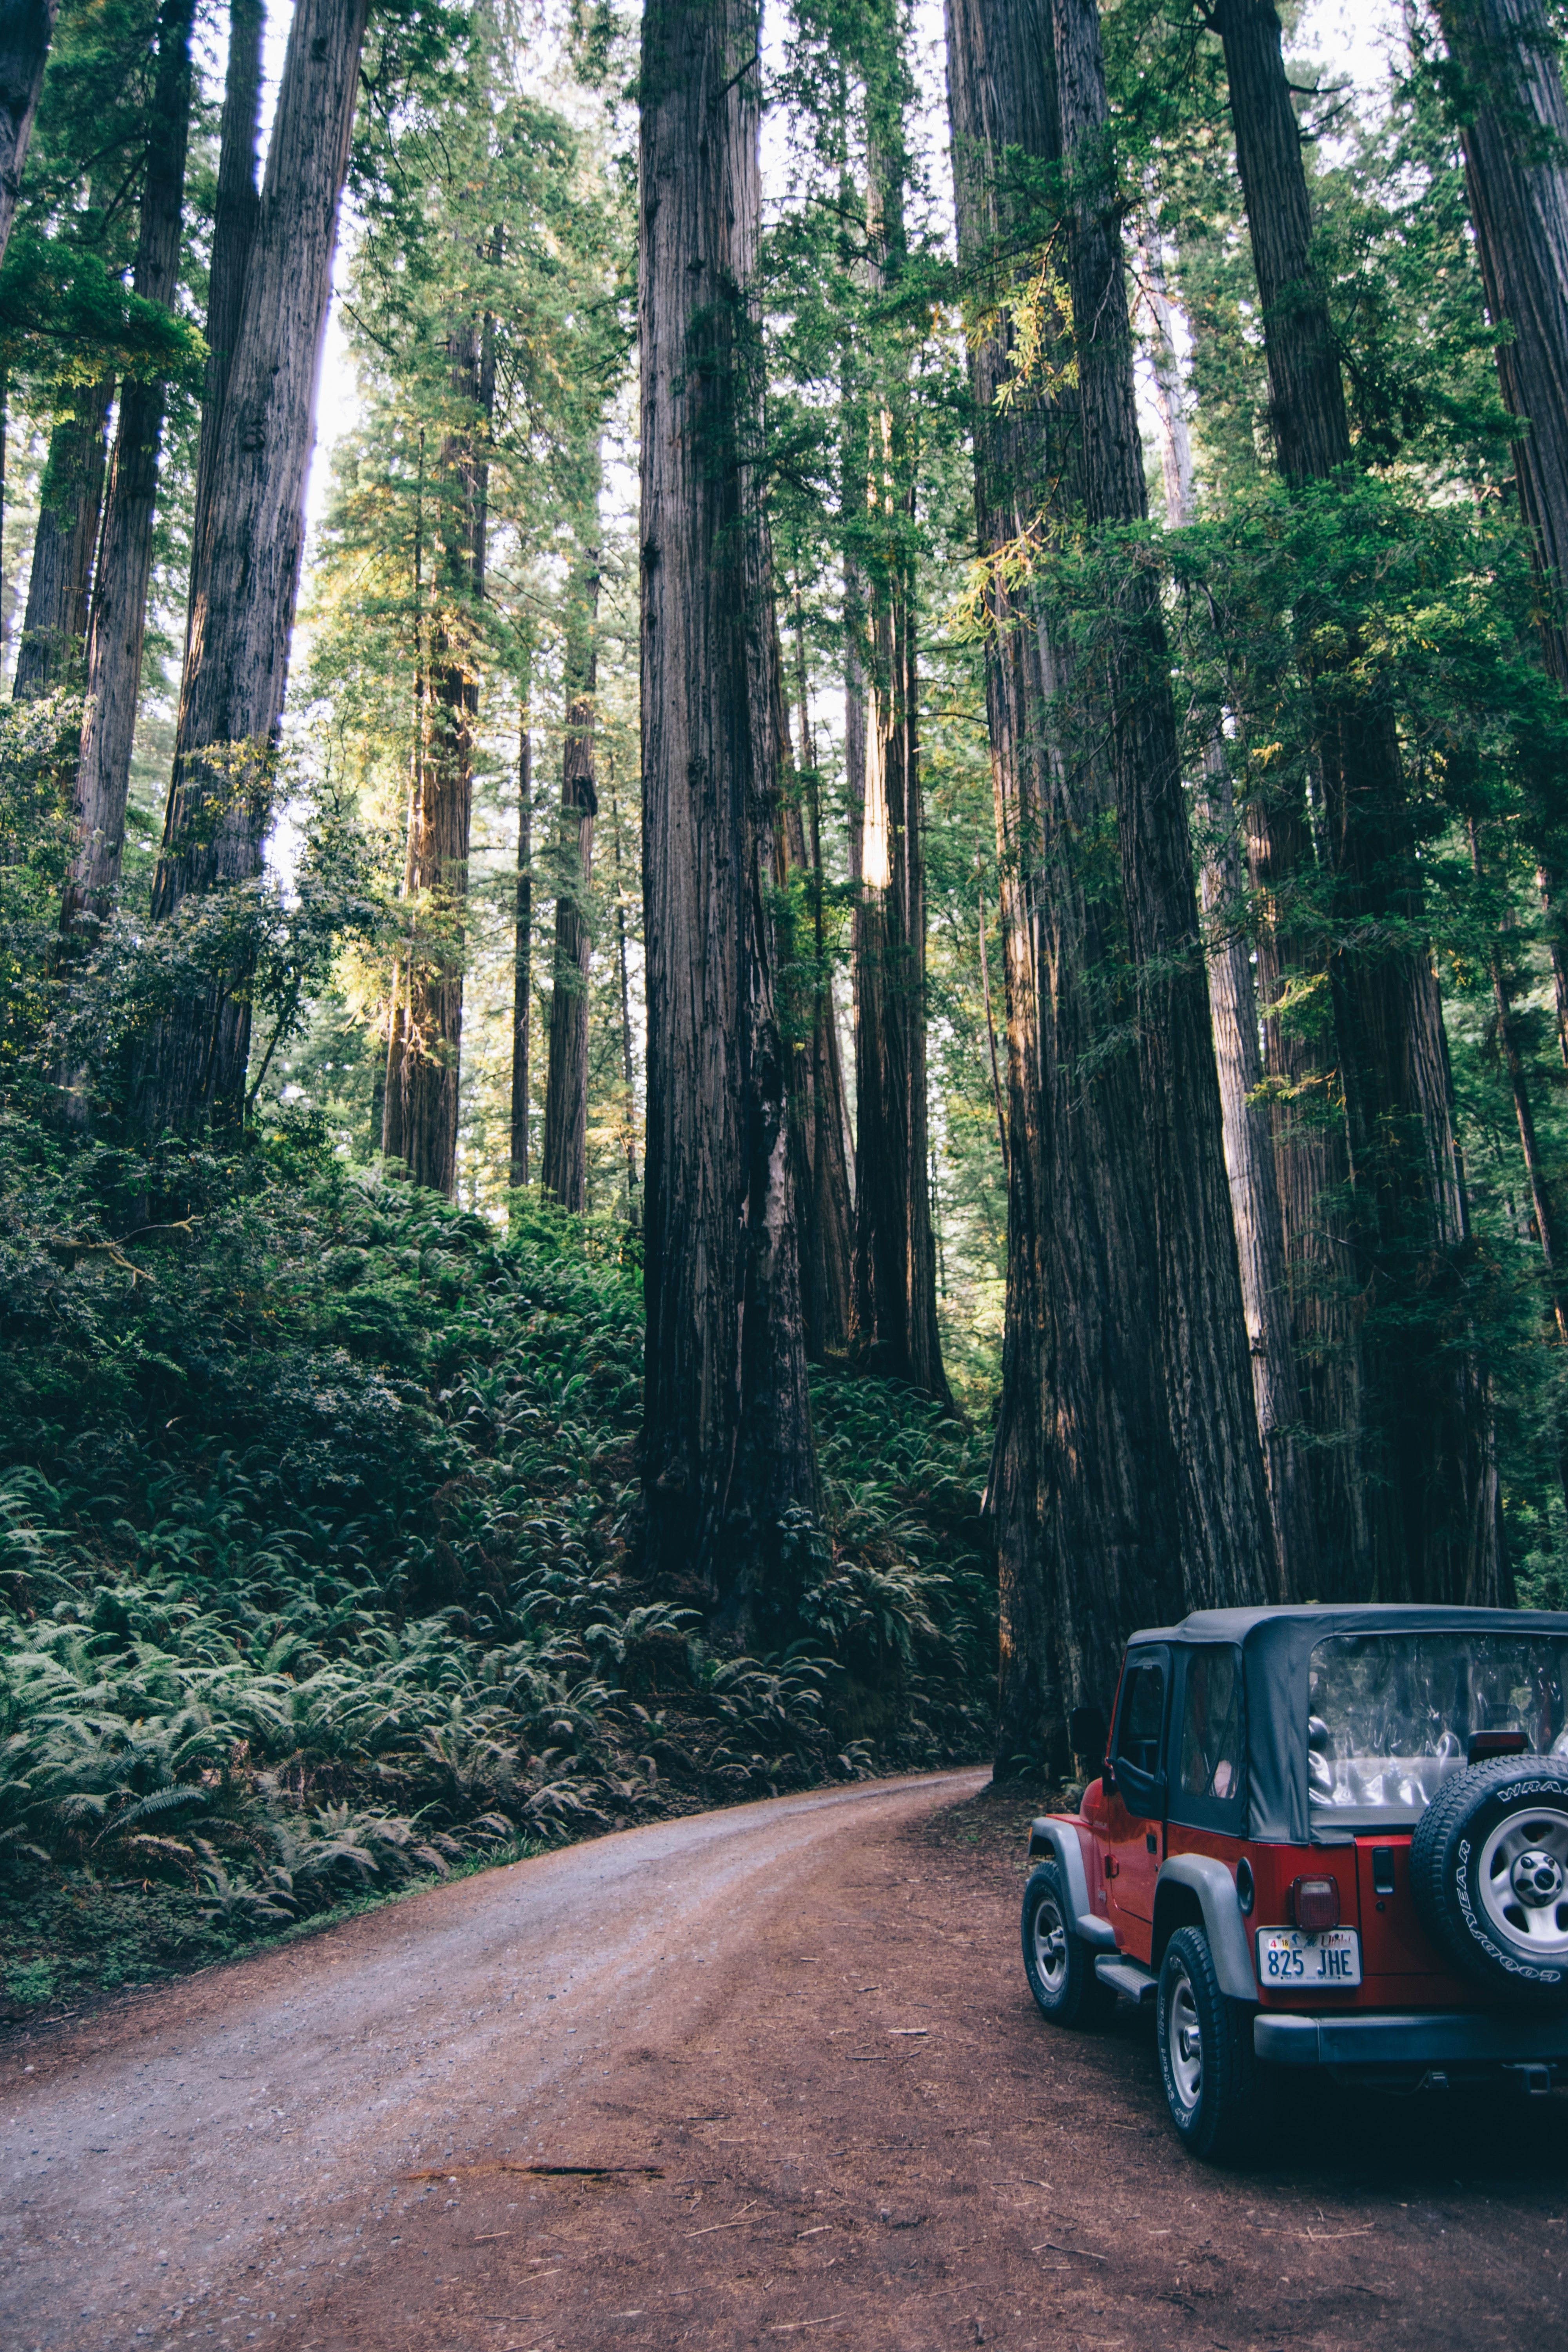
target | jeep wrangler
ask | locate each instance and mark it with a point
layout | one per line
(1320, 1837)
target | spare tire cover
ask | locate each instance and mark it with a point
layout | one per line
(1489, 1866)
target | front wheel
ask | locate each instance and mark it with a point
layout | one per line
(1056, 1961)
(1216, 2092)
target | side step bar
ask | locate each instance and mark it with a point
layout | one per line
(1130, 1978)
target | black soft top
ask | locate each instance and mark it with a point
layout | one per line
(1276, 1645)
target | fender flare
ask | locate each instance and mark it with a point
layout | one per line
(1214, 1888)
(1063, 1842)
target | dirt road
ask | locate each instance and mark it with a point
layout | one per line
(802, 2031)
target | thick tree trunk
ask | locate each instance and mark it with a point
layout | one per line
(234, 215)
(824, 1200)
(1232, 1009)
(55, 623)
(1434, 1506)
(1513, 124)
(245, 564)
(628, 1066)
(564, 1166)
(522, 945)
(26, 28)
(727, 1449)
(1227, 1540)
(1082, 1476)
(1312, 1167)
(425, 1077)
(1549, 1228)
(125, 567)
(893, 1324)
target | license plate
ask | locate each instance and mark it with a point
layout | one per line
(1289, 1956)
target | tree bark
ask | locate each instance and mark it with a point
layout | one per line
(826, 1201)
(1434, 1506)
(1233, 1009)
(426, 1079)
(26, 28)
(522, 942)
(246, 565)
(629, 1067)
(1082, 1479)
(1514, 126)
(55, 623)
(1549, 1229)
(125, 567)
(727, 1449)
(235, 214)
(563, 1168)
(1227, 1537)
(893, 1324)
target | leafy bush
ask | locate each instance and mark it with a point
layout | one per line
(315, 1570)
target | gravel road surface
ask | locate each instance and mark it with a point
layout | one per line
(793, 2044)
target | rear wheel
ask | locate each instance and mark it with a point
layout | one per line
(1056, 1961)
(1217, 2094)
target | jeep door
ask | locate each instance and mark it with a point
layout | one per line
(1136, 1812)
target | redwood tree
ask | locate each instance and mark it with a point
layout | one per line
(1513, 124)
(245, 564)
(1081, 1491)
(893, 1324)
(1428, 1465)
(26, 28)
(125, 566)
(1227, 1543)
(425, 1059)
(54, 625)
(563, 1163)
(726, 1449)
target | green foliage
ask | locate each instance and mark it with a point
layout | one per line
(315, 1574)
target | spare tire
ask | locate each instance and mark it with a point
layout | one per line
(1488, 1867)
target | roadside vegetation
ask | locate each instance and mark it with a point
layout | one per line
(314, 1516)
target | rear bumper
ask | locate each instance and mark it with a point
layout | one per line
(1441, 2039)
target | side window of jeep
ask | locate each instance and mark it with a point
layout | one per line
(1211, 1754)
(1142, 1717)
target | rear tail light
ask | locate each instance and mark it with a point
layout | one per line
(1496, 1743)
(1317, 1904)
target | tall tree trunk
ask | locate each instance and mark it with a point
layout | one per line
(55, 623)
(1082, 1479)
(1233, 1008)
(564, 1167)
(1549, 1228)
(246, 565)
(522, 937)
(727, 1449)
(426, 1076)
(26, 28)
(125, 567)
(1513, 124)
(1432, 1484)
(235, 214)
(824, 1200)
(1227, 1537)
(629, 1067)
(893, 1324)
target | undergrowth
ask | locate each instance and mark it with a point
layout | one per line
(317, 1504)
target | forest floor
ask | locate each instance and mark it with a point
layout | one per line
(794, 2041)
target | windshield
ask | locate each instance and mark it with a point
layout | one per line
(1393, 1714)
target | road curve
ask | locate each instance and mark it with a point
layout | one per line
(155, 2159)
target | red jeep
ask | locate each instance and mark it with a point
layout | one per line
(1321, 1837)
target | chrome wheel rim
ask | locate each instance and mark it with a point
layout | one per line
(1522, 1877)
(1050, 1945)
(1184, 2041)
